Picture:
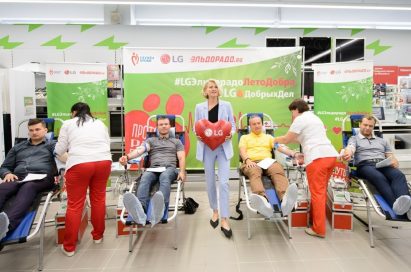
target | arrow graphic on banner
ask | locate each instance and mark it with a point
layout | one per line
(232, 44)
(111, 44)
(9, 45)
(58, 43)
(377, 47)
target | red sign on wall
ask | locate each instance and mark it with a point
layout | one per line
(404, 71)
(386, 74)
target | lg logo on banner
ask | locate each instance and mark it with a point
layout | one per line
(166, 59)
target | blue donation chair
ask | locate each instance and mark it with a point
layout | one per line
(28, 227)
(372, 198)
(177, 187)
(268, 128)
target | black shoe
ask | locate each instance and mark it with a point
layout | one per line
(227, 232)
(214, 224)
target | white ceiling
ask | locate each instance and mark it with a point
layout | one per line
(380, 14)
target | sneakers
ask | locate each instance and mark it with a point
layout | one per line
(402, 204)
(4, 225)
(67, 253)
(261, 204)
(134, 208)
(409, 215)
(157, 208)
(98, 241)
(309, 231)
(289, 199)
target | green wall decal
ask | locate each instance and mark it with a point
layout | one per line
(86, 27)
(111, 44)
(306, 30)
(259, 30)
(375, 45)
(356, 31)
(31, 26)
(58, 43)
(9, 45)
(209, 29)
(233, 44)
(83, 27)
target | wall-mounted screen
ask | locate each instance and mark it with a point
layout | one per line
(317, 49)
(280, 42)
(349, 49)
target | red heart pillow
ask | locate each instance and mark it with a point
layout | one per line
(213, 134)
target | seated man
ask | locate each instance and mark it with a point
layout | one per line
(162, 151)
(255, 147)
(32, 156)
(389, 181)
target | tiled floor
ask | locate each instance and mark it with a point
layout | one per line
(202, 248)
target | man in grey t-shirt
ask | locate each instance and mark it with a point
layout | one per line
(164, 151)
(390, 182)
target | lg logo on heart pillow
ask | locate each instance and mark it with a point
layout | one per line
(213, 134)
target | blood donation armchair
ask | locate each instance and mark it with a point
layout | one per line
(371, 198)
(177, 188)
(34, 221)
(268, 128)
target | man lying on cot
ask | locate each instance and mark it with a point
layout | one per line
(255, 147)
(33, 156)
(390, 182)
(162, 151)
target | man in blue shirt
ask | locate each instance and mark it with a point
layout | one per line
(34, 156)
(389, 181)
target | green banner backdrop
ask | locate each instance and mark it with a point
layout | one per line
(170, 81)
(69, 83)
(341, 89)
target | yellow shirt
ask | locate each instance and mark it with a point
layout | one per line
(258, 147)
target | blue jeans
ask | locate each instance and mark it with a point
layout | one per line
(390, 182)
(150, 178)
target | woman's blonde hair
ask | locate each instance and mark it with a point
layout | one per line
(203, 91)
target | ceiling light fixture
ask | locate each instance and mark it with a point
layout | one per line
(226, 4)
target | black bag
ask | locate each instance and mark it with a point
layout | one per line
(189, 205)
